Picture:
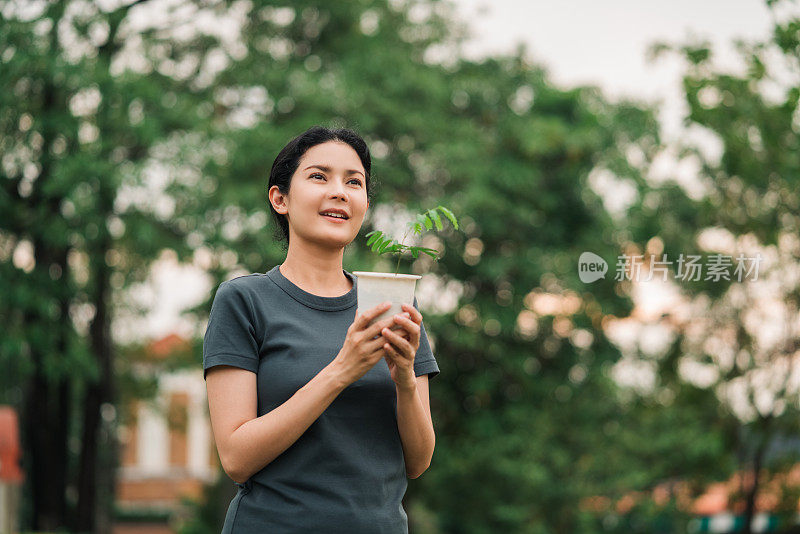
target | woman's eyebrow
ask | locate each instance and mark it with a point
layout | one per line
(328, 169)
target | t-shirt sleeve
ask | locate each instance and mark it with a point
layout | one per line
(230, 337)
(424, 361)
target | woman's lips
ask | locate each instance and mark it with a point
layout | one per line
(334, 219)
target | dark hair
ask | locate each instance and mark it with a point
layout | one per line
(287, 160)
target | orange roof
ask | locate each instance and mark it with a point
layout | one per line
(164, 347)
(715, 500)
(9, 446)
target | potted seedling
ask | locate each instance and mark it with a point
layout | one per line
(374, 288)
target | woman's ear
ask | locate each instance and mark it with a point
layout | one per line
(277, 200)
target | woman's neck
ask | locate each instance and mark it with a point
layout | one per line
(317, 274)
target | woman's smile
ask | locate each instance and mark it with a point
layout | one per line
(337, 220)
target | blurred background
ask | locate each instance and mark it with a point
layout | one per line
(136, 140)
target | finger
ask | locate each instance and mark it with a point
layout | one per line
(404, 346)
(410, 329)
(391, 352)
(395, 355)
(396, 325)
(379, 352)
(400, 331)
(375, 328)
(416, 316)
(363, 320)
(373, 332)
(410, 326)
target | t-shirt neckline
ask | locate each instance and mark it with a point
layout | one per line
(342, 302)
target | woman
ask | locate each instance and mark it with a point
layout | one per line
(318, 433)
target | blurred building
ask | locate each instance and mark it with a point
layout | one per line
(168, 449)
(720, 509)
(717, 511)
(11, 476)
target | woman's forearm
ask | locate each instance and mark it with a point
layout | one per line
(259, 441)
(416, 431)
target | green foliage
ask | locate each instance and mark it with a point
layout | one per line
(750, 191)
(382, 243)
(529, 423)
(206, 515)
(81, 144)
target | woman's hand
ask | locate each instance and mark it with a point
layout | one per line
(402, 347)
(363, 345)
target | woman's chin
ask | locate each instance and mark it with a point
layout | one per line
(338, 239)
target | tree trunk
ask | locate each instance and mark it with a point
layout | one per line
(100, 470)
(109, 462)
(47, 403)
(97, 393)
(46, 408)
(45, 431)
(752, 493)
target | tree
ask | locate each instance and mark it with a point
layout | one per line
(513, 410)
(742, 331)
(530, 423)
(144, 138)
(79, 129)
(116, 134)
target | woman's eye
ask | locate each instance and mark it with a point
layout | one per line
(318, 175)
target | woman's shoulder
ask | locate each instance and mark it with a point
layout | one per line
(244, 280)
(245, 284)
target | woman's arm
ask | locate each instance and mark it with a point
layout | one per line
(416, 426)
(247, 443)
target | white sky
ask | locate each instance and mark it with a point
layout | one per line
(586, 42)
(579, 42)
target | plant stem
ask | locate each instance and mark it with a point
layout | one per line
(399, 254)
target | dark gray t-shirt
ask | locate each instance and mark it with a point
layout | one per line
(346, 473)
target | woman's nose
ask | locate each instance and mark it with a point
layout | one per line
(338, 190)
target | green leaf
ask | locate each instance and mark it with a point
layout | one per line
(375, 235)
(417, 228)
(436, 219)
(377, 244)
(415, 252)
(424, 221)
(430, 252)
(384, 246)
(449, 215)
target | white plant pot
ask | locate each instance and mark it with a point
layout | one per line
(375, 288)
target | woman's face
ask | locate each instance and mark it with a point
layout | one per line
(329, 176)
